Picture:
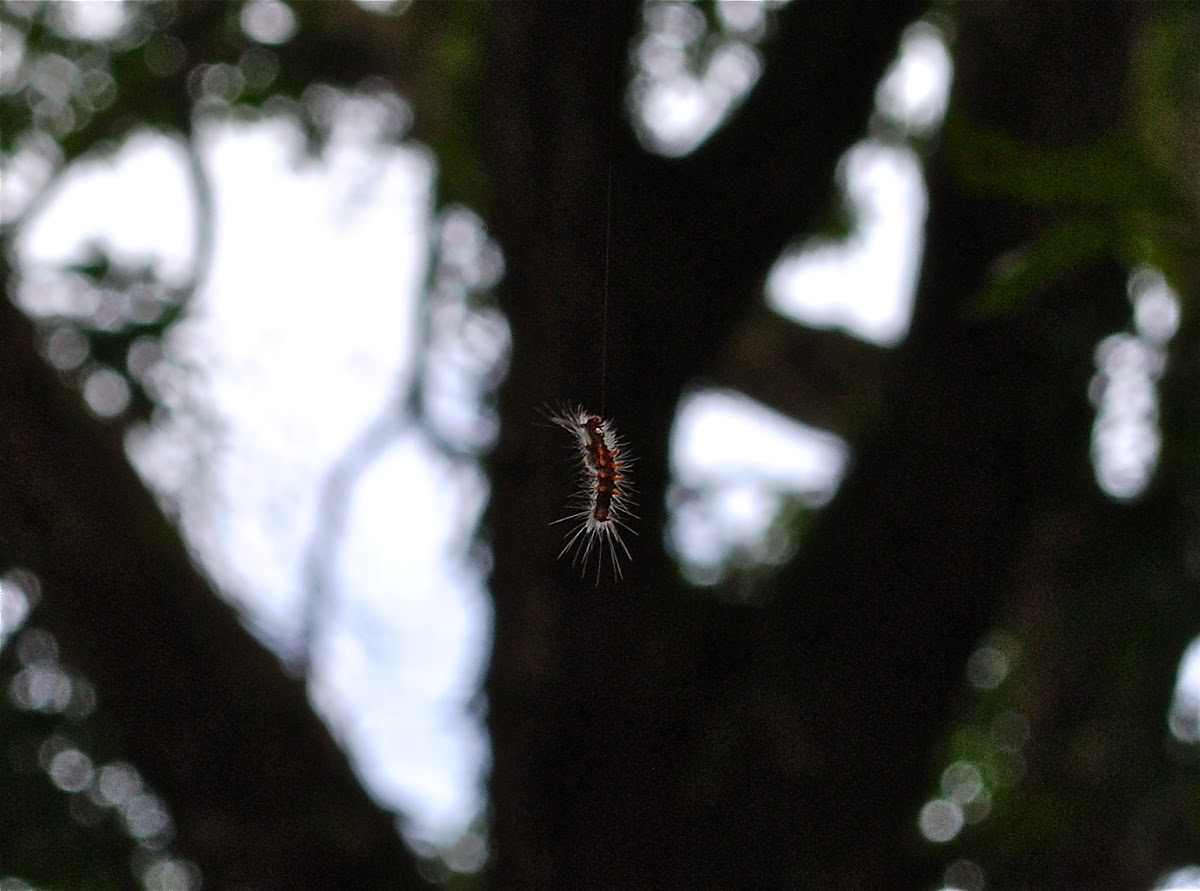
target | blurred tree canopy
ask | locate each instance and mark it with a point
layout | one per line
(970, 631)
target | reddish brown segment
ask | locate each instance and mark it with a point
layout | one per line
(606, 464)
(603, 505)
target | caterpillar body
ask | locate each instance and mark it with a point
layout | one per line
(603, 505)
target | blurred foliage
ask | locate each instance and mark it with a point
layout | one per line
(1112, 200)
(42, 840)
(1167, 105)
(1133, 196)
(65, 822)
(1061, 715)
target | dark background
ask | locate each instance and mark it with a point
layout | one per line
(648, 734)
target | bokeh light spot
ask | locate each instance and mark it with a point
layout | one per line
(42, 688)
(962, 782)
(737, 15)
(259, 67)
(469, 853)
(726, 498)
(689, 79)
(986, 668)
(1184, 716)
(964, 875)
(37, 645)
(12, 58)
(268, 21)
(14, 602)
(83, 699)
(106, 392)
(116, 783)
(1155, 307)
(145, 816)
(941, 820)
(65, 348)
(170, 874)
(71, 770)
(1126, 440)
(89, 21)
(915, 90)
(51, 746)
(1186, 878)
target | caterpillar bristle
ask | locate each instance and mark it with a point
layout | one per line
(604, 498)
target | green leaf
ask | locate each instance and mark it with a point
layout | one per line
(1057, 252)
(1108, 173)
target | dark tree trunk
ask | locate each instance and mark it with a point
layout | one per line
(643, 736)
(610, 705)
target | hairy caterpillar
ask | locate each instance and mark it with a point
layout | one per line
(603, 502)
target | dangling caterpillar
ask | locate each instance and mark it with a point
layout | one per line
(604, 500)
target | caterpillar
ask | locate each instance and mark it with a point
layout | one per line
(604, 503)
